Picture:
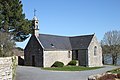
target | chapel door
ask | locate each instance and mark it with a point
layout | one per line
(33, 60)
(76, 54)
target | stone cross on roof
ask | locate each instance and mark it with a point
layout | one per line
(35, 12)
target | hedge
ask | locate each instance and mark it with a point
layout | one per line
(73, 63)
(58, 64)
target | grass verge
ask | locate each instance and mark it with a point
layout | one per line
(71, 68)
(115, 70)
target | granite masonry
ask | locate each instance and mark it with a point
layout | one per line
(6, 68)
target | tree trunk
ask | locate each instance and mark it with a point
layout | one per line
(103, 59)
(114, 59)
(116, 56)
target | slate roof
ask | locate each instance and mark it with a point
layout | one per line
(81, 42)
(54, 42)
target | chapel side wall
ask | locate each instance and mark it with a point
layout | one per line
(94, 61)
(33, 48)
(83, 57)
(52, 56)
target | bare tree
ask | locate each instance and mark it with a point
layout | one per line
(6, 44)
(111, 44)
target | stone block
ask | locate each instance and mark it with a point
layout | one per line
(6, 68)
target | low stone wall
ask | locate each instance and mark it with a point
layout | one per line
(7, 68)
(97, 76)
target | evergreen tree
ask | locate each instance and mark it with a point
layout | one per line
(12, 19)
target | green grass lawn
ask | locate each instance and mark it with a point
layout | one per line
(115, 70)
(71, 68)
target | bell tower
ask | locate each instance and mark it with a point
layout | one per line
(35, 25)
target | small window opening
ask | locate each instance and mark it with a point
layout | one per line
(52, 45)
(36, 27)
(68, 54)
(37, 22)
(95, 51)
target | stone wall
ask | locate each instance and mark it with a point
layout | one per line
(51, 56)
(94, 60)
(33, 53)
(98, 76)
(6, 68)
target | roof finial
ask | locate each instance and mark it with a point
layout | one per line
(35, 12)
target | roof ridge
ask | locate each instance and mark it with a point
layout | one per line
(83, 35)
(68, 36)
(54, 35)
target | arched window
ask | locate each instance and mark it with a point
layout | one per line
(95, 50)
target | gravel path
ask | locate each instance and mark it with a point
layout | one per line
(33, 73)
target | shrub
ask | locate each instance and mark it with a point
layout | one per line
(73, 62)
(58, 64)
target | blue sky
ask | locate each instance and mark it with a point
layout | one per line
(74, 17)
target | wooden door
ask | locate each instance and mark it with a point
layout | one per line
(33, 60)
